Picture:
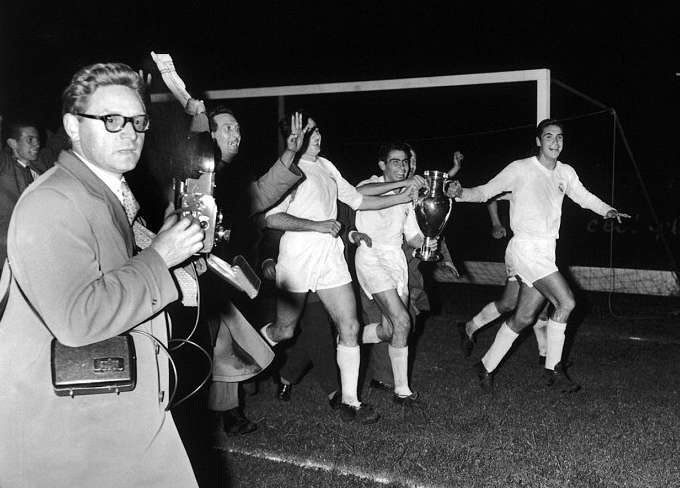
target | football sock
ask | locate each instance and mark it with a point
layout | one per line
(348, 363)
(500, 347)
(487, 314)
(541, 333)
(399, 360)
(555, 343)
(370, 334)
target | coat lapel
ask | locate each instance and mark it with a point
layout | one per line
(71, 163)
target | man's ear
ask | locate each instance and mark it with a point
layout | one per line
(538, 142)
(12, 143)
(381, 165)
(71, 126)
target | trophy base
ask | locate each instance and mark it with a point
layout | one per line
(429, 255)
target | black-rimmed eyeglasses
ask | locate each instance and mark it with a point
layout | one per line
(115, 122)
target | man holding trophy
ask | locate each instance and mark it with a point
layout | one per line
(381, 265)
(379, 369)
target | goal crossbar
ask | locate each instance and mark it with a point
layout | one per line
(540, 76)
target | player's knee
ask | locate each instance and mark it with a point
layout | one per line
(505, 306)
(386, 331)
(565, 306)
(523, 320)
(402, 324)
(349, 328)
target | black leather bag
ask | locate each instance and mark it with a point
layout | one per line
(103, 367)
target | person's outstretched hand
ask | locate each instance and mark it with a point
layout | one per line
(457, 160)
(615, 214)
(297, 132)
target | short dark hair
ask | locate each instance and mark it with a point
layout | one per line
(214, 112)
(410, 150)
(385, 149)
(545, 123)
(85, 81)
(12, 130)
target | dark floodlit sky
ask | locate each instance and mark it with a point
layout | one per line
(625, 57)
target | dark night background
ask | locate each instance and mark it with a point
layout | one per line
(623, 57)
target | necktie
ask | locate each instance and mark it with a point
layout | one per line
(28, 175)
(128, 200)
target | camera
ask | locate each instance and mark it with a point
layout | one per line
(194, 185)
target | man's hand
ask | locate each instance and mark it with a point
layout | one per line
(454, 189)
(417, 181)
(297, 132)
(331, 227)
(358, 237)
(412, 187)
(457, 160)
(194, 107)
(170, 77)
(615, 214)
(498, 231)
(269, 269)
(178, 240)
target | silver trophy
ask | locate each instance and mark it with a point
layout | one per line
(433, 209)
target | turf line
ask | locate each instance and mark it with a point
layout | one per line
(620, 337)
(381, 478)
(648, 339)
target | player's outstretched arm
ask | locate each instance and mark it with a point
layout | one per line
(375, 189)
(192, 106)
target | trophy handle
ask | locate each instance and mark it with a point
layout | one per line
(446, 184)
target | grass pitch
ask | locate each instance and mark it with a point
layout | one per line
(621, 430)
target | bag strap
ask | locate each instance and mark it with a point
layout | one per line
(5, 281)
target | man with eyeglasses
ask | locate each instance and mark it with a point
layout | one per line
(21, 162)
(77, 279)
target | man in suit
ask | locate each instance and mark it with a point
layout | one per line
(21, 161)
(76, 279)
